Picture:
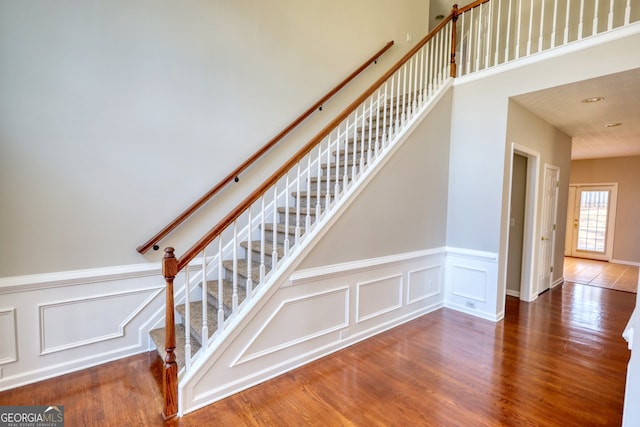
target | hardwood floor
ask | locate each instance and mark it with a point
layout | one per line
(559, 361)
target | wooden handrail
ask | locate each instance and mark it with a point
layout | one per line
(237, 171)
(192, 252)
(471, 6)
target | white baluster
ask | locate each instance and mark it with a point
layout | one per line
(627, 13)
(391, 109)
(566, 25)
(234, 297)
(287, 197)
(478, 39)
(274, 212)
(296, 238)
(530, 28)
(319, 184)
(496, 59)
(187, 320)
(354, 147)
(263, 224)
(403, 117)
(338, 177)
(249, 286)
(541, 38)
(307, 221)
(508, 35)
(328, 171)
(610, 18)
(220, 286)
(595, 18)
(370, 137)
(423, 72)
(397, 101)
(431, 65)
(205, 327)
(555, 23)
(363, 138)
(581, 24)
(489, 25)
(384, 117)
(470, 41)
(345, 176)
(518, 29)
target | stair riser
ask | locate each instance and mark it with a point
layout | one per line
(313, 202)
(293, 220)
(332, 183)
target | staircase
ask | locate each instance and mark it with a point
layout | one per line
(305, 207)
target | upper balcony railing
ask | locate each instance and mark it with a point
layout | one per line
(491, 33)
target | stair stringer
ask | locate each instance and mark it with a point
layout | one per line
(240, 356)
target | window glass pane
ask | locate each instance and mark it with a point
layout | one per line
(592, 230)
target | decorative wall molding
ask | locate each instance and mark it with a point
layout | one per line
(280, 333)
(8, 336)
(75, 277)
(71, 323)
(471, 283)
(312, 274)
(377, 297)
(424, 283)
(272, 339)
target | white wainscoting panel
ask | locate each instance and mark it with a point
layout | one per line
(53, 324)
(424, 283)
(78, 322)
(312, 313)
(317, 314)
(472, 283)
(377, 297)
(8, 336)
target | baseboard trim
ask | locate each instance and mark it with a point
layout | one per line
(623, 262)
(513, 293)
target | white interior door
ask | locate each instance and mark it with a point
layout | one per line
(548, 226)
(591, 221)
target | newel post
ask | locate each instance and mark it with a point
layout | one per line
(454, 19)
(170, 371)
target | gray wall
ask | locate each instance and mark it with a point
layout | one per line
(626, 172)
(404, 208)
(116, 115)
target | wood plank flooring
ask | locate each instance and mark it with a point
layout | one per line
(559, 361)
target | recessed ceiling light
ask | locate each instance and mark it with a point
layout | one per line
(612, 125)
(592, 100)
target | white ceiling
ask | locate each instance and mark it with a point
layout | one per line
(563, 108)
(585, 123)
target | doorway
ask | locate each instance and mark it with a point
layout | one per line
(519, 272)
(591, 221)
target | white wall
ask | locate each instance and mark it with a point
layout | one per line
(478, 179)
(116, 115)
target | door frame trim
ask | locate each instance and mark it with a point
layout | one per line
(611, 220)
(528, 287)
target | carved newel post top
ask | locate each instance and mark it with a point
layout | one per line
(169, 263)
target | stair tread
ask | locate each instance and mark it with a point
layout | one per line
(242, 265)
(268, 247)
(196, 318)
(157, 335)
(227, 293)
